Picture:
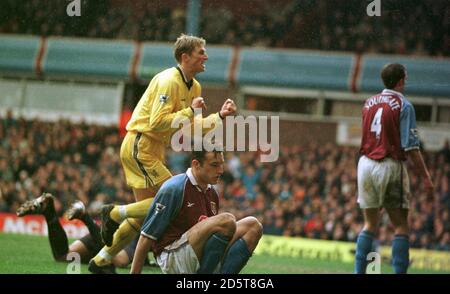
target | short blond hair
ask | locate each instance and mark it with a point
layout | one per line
(186, 44)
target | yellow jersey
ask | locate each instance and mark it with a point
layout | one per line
(168, 97)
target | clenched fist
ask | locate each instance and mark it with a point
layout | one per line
(228, 108)
(198, 102)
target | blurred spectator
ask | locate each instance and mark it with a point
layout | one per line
(71, 161)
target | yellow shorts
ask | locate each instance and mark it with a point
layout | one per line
(142, 160)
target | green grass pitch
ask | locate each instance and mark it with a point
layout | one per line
(25, 254)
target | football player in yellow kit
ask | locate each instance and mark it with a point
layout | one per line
(172, 94)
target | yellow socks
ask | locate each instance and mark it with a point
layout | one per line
(130, 218)
(137, 210)
(103, 258)
(126, 232)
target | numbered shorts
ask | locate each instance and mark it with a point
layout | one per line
(382, 183)
(180, 258)
(142, 161)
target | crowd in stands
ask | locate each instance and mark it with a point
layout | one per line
(309, 192)
(70, 161)
(419, 27)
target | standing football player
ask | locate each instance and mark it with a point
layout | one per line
(172, 94)
(389, 137)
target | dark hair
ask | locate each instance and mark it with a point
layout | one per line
(201, 155)
(391, 74)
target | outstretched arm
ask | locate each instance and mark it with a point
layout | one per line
(142, 249)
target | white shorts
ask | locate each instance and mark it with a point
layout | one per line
(178, 258)
(383, 183)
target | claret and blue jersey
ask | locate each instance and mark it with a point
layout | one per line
(179, 204)
(389, 126)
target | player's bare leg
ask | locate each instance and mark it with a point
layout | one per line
(371, 218)
(249, 229)
(246, 238)
(223, 224)
(79, 247)
(399, 219)
(210, 238)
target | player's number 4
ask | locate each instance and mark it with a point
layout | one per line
(376, 123)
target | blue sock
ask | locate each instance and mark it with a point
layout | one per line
(400, 254)
(212, 253)
(363, 248)
(236, 258)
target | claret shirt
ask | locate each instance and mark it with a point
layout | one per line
(388, 126)
(179, 204)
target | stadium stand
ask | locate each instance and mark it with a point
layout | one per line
(112, 60)
(313, 24)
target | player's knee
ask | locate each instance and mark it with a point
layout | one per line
(254, 227)
(227, 223)
(253, 231)
(121, 260)
(257, 227)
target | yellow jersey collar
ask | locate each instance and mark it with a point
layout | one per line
(183, 76)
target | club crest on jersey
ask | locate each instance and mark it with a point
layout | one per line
(154, 173)
(159, 207)
(163, 98)
(213, 208)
